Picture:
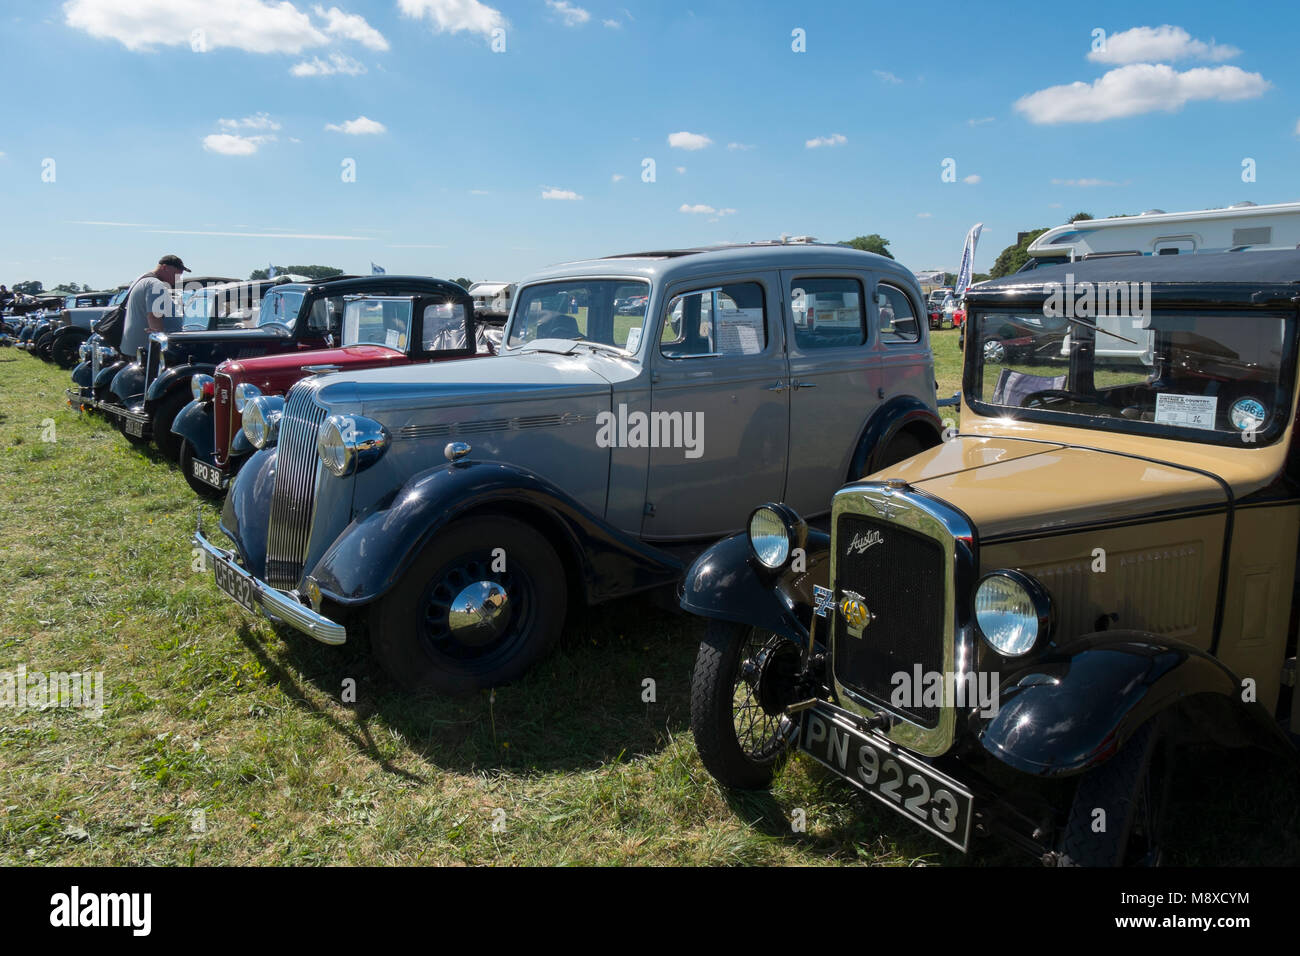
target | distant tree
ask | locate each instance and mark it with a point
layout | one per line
(1080, 216)
(873, 243)
(980, 277)
(1011, 258)
(464, 283)
(311, 272)
(30, 287)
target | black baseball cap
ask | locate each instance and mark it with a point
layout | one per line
(174, 261)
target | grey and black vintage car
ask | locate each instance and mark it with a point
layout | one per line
(1016, 632)
(460, 508)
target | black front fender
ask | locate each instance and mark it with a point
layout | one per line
(905, 412)
(374, 550)
(82, 375)
(1076, 708)
(172, 379)
(194, 424)
(128, 384)
(725, 584)
(103, 383)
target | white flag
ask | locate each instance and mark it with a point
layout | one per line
(967, 259)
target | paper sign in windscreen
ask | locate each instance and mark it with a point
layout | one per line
(740, 331)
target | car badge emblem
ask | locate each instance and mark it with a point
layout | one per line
(823, 599)
(861, 542)
(886, 508)
(857, 616)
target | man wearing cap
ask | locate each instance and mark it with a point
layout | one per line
(150, 306)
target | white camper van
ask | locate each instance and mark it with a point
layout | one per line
(492, 298)
(1242, 226)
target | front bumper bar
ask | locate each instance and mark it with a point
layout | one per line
(279, 606)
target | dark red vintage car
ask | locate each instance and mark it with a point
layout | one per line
(412, 320)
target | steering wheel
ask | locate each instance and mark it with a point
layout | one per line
(1034, 399)
(277, 325)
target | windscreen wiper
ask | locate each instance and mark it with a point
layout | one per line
(1098, 328)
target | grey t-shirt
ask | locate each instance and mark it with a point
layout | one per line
(150, 294)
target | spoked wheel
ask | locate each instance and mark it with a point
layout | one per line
(743, 680)
(995, 352)
(1119, 808)
(482, 604)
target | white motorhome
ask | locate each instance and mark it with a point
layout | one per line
(1241, 226)
(492, 297)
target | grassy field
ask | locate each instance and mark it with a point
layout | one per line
(226, 741)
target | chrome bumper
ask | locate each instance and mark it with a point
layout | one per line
(278, 605)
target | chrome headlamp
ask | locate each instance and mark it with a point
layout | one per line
(244, 393)
(1013, 612)
(107, 354)
(348, 443)
(262, 420)
(775, 531)
(83, 351)
(202, 387)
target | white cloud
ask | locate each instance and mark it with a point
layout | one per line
(972, 179)
(571, 15)
(550, 192)
(1164, 43)
(1297, 131)
(835, 139)
(232, 144)
(612, 24)
(252, 25)
(700, 209)
(886, 77)
(257, 121)
(453, 16)
(361, 126)
(256, 235)
(617, 177)
(1053, 205)
(1084, 182)
(740, 146)
(1136, 89)
(479, 192)
(337, 63)
(924, 215)
(681, 170)
(685, 140)
(979, 122)
(351, 26)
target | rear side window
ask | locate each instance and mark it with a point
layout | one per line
(828, 313)
(721, 320)
(898, 323)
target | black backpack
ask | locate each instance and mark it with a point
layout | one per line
(112, 324)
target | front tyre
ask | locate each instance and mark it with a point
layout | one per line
(478, 608)
(168, 443)
(742, 682)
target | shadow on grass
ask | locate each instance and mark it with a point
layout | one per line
(583, 707)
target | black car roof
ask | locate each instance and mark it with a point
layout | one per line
(344, 285)
(1257, 278)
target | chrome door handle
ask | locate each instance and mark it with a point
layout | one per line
(799, 385)
(778, 387)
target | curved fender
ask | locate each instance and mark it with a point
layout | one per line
(128, 384)
(70, 332)
(194, 424)
(247, 511)
(376, 548)
(726, 584)
(82, 374)
(887, 421)
(104, 380)
(1074, 709)
(173, 378)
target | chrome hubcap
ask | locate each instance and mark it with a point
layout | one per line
(994, 352)
(479, 614)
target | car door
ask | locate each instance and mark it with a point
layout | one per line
(904, 365)
(834, 379)
(720, 415)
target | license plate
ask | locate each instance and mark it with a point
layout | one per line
(207, 474)
(928, 798)
(235, 584)
(133, 427)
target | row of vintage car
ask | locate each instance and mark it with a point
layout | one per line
(1098, 566)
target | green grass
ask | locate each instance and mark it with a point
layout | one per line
(210, 710)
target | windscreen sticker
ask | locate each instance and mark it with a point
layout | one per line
(391, 338)
(633, 338)
(1189, 411)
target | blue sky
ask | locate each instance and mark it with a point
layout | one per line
(232, 155)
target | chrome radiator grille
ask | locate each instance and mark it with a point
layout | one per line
(293, 496)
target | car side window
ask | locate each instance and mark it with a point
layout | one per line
(898, 322)
(443, 326)
(717, 321)
(828, 313)
(326, 315)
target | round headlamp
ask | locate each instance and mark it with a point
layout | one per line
(244, 393)
(262, 420)
(774, 532)
(83, 351)
(202, 387)
(107, 354)
(348, 443)
(1012, 611)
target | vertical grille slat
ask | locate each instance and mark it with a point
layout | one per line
(294, 492)
(903, 581)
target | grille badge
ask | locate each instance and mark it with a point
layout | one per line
(887, 509)
(823, 600)
(856, 613)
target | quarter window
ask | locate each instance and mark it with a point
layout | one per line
(828, 313)
(722, 320)
(898, 324)
(444, 326)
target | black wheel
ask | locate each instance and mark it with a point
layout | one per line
(63, 352)
(41, 347)
(742, 682)
(164, 414)
(1118, 808)
(901, 446)
(200, 488)
(482, 605)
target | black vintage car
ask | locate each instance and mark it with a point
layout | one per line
(146, 395)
